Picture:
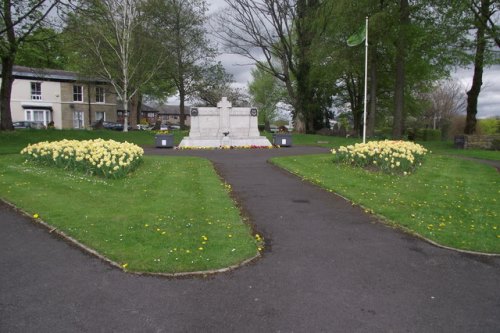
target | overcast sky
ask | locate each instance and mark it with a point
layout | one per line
(489, 99)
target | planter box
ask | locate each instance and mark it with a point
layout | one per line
(282, 140)
(164, 140)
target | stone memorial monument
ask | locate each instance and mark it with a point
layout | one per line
(224, 126)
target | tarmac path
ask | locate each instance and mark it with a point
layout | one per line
(329, 268)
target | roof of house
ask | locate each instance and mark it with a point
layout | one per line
(52, 75)
(144, 107)
(172, 109)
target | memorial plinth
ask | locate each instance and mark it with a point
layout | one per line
(224, 126)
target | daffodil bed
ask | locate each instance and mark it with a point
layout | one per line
(173, 214)
(387, 156)
(448, 200)
(107, 158)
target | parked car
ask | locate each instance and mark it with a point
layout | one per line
(111, 126)
(29, 124)
(273, 128)
(164, 127)
(143, 127)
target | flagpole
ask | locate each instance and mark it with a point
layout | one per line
(366, 80)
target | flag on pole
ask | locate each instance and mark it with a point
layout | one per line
(358, 37)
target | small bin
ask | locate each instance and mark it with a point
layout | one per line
(164, 140)
(460, 141)
(282, 140)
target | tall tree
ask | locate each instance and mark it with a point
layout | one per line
(400, 74)
(483, 11)
(18, 20)
(183, 36)
(112, 43)
(282, 32)
(266, 91)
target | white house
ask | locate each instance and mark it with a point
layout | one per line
(64, 98)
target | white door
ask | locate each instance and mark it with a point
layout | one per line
(78, 119)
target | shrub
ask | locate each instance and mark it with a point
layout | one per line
(387, 156)
(109, 159)
(488, 126)
(427, 134)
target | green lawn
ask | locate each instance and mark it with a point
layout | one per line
(448, 200)
(447, 148)
(173, 214)
(437, 147)
(12, 142)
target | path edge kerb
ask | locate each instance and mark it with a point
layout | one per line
(54, 231)
(385, 221)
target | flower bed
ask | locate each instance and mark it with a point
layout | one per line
(387, 156)
(110, 159)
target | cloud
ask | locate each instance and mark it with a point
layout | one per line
(239, 66)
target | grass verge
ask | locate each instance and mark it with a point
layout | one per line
(447, 148)
(450, 201)
(171, 215)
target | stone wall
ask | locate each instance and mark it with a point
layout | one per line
(478, 141)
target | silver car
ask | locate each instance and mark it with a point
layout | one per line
(29, 124)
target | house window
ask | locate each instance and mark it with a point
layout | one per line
(99, 94)
(77, 119)
(43, 116)
(78, 93)
(36, 91)
(100, 116)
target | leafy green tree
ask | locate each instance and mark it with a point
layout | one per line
(410, 46)
(18, 21)
(266, 91)
(283, 32)
(43, 49)
(182, 34)
(111, 41)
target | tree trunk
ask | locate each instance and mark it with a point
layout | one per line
(370, 124)
(5, 93)
(399, 89)
(182, 97)
(133, 111)
(8, 58)
(267, 125)
(477, 79)
(305, 36)
(297, 119)
(139, 107)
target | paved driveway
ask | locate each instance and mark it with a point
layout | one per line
(330, 268)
